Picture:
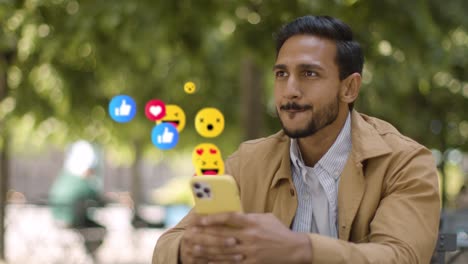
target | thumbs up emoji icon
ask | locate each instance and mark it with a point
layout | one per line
(122, 108)
(165, 136)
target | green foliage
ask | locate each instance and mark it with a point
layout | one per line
(67, 59)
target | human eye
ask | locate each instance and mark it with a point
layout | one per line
(309, 73)
(281, 74)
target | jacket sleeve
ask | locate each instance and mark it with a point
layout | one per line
(405, 225)
(167, 246)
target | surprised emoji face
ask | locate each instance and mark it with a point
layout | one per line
(207, 160)
(209, 122)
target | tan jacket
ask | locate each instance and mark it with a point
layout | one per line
(388, 200)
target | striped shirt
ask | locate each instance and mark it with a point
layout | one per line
(317, 187)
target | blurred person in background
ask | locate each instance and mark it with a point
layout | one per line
(74, 190)
(461, 202)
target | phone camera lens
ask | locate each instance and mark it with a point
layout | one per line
(206, 190)
(196, 185)
(199, 195)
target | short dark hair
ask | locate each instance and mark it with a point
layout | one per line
(349, 57)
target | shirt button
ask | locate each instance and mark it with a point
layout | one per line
(291, 191)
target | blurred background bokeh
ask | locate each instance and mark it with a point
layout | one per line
(61, 61)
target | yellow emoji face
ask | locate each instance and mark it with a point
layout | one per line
(174, 115)
(207, 160)
(209, 122)
(189, 87)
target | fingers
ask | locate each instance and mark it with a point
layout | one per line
(186, 250)
(200, 237)
(218, 253)
(213, 238)
(187, 256)
(229, 219)
(222, 231)
(220, 259)
(193, 260)
(198, 244)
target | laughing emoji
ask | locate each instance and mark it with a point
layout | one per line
(209, 122)
(207, 160)
(175, 116)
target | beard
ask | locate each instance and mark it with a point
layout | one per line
(320, 118)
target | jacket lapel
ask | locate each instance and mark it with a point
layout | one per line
(285, 208)
(350, 193)
(366, 143)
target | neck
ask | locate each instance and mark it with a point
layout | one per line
(315, 146)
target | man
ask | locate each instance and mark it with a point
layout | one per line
(334, 186)
(73, 192)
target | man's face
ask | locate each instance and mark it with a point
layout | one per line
(306, 85)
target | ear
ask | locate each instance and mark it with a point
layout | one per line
(350, 87)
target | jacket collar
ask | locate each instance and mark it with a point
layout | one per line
(365, 139)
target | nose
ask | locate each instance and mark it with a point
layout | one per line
(292, 89)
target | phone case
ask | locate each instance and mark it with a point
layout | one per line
(215, 194)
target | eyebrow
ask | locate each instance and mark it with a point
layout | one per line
(279, 67)
(300, 66)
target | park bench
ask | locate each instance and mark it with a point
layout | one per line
(454, 223)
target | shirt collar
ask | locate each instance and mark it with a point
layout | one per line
(295, 153)
(334, 159)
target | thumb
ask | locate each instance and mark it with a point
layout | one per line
(124, 102)
(166, 130)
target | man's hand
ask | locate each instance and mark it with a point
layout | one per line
(199, 246)
(247, 238)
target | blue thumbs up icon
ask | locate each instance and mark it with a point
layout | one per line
(122, 108)
(165, 136)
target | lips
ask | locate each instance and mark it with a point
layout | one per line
(209, 171)
(292, 113)
(173, 122)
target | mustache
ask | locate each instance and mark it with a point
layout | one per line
(295, 106)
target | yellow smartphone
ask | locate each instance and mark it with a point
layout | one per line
(215, 194)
